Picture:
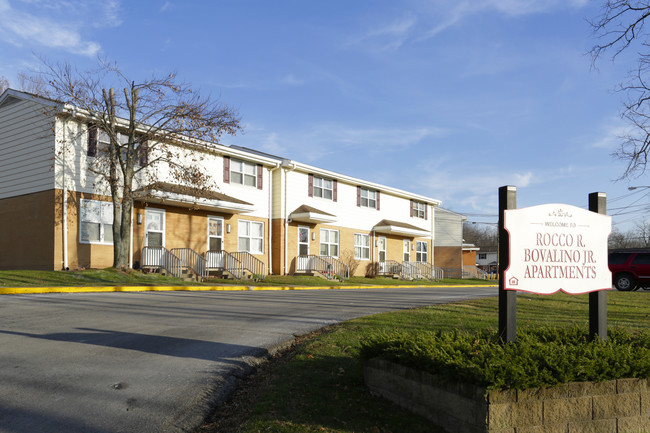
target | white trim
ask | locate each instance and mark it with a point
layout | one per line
(164, 225)
(361, 247)
(207, 230)
(329, 244)
(250, 236)
(102, 230)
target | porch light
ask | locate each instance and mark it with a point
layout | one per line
(139, 218)
(313, 236)
(227, 228)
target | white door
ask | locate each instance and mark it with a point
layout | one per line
(303, 249)
(215, 256)
(407, 250)
(381, 253)
(154, 226)
(154, 236)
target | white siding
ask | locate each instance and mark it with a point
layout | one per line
(26, 149)
(449, 228)
(348, 214)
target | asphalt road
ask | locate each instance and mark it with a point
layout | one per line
(157, 361)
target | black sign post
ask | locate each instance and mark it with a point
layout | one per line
(507, 298)
(598, 299)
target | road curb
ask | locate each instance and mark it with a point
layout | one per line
(103, 289)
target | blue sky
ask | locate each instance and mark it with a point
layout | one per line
(446, 98)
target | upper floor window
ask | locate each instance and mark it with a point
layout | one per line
(367, 198)
(482, 256)
(99, 141)
(242, 172)
(418, 209)
(96, 222)
(322, 188)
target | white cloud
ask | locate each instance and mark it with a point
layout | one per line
(59, 25)
(166, 6)
(388, 36)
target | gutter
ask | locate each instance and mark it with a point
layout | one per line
(270, 245)
(288, 166)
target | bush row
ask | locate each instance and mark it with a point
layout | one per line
(540, 357)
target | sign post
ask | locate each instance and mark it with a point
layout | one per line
(598, 300)
(507, 298)
(551, 247)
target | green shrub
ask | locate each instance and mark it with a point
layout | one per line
(539, 357)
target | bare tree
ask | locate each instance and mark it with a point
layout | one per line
(483, 236)
(145, 119)
(4, 84)
(621, 26)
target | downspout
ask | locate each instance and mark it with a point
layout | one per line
(131, 241)
(286, 218)
(65, 195)
(271, 170)
(433, 233)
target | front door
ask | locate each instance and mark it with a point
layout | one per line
(381, 254)
(154, 226)
(154, 237)
(407, 250)
(215, 234)
(303, 249)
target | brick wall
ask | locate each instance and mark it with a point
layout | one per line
(616, 406)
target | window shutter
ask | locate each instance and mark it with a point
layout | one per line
(411, 208)
(334, 188)
(260, 177)
(358, 196)
(310, 185)
(226, 169)
(92, 141)
(377, 200)
(426, 211)
(144, 153)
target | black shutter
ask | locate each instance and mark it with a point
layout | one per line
(92, 141)
(226, 169)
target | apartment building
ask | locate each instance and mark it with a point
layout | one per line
(285, 216)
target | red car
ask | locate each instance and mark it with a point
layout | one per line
(630, 269)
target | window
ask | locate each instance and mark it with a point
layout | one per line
(418, 210)
(242, 172)
(421, 252)
(482, 256)
(251, 237)
(329, 242)
(367, 198)
(322, 188)
(361, 246)
(96, 222)
(99, 141)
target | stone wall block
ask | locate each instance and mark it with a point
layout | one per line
(502, 396)
(624, 386)
(527, 413)
(645, 403)
(500, 415)
(636, 424)
(595, 426)
(616, 405)
(568, 409)
(546, 428)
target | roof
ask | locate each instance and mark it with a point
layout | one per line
(190, 191)
(396, 227)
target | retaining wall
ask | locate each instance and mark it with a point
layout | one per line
(616, 406)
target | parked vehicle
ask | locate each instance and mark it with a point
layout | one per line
(630, 268)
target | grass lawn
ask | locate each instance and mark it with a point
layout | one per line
(113, 277)
(318, 387)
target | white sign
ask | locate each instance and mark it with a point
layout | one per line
(557, 247)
